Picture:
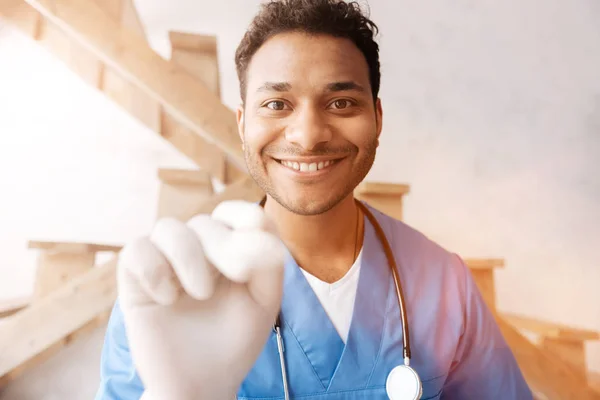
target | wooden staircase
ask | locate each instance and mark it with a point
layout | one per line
(178, 99)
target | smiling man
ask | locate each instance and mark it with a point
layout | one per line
(317, 296)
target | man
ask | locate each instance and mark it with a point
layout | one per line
(197, 301)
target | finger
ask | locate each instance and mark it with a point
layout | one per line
(266, 283)
(145, 276)
(181, 246)
(239, 214)
(254, 257)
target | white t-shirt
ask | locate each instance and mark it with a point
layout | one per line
(338, 298)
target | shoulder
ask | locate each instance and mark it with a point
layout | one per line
(411, 245)
(423, 264)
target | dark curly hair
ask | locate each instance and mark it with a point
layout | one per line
(337, 18)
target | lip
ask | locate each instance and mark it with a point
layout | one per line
(309, 175)
(309, 159)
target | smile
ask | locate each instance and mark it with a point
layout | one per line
(307, 167)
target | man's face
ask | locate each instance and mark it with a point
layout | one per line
(309, 125)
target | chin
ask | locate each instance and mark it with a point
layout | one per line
(307, 202)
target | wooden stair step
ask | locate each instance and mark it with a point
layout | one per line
(594, 380)
(550, 329)
(386, 197)
(189, 177)
(161, 93)
(547, 376)
(482, 270)
(181, 191)
(72, 247)
(564, 342)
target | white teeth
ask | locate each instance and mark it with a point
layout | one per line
(304, 167)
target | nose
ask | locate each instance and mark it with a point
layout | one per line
(309, 129)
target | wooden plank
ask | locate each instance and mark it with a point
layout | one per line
(135, 99)
(245, 189)
(544, 373)
(132, 98)
(594, 380)
(111, 7)
(78, 302)
(54, 349)
(186, 99)
(22, 15)
(381, 188)
(482, 270)
(233, 173)
(181, 191)
(56, 268)
(550, 329)
(569, 351)
(11, 306)
(484, 263)
(72, 247)
(197, 54)
(130, 18)
(78, 59)
(385, 197)
(206, 155)
(193, 42)
(184, 176)
(39, 326)
(202, 66)
(484, 279)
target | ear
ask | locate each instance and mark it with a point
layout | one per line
(240, 122)
(379, 118)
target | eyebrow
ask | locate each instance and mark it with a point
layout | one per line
(275, 87)
(331, 87)
(344, 86)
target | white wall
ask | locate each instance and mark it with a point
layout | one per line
(73, 166)
(492, 115)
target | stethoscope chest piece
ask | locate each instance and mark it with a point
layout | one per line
(403, 383)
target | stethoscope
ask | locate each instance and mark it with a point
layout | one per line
(403, 382)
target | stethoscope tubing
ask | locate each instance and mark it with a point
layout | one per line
(389, 254)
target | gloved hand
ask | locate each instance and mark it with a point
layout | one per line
(199, 301)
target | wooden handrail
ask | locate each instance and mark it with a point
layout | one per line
(183, 97)
(484, 263)
(550, 329)
(72, 247)
(545, 374)
(11, 306)
(39, 326)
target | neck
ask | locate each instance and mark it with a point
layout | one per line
(324, 245)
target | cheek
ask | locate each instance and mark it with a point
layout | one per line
(258, 134)
(361, 132)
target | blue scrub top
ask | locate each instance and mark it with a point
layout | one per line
(457, 348)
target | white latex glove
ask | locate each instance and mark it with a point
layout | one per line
(199, 301)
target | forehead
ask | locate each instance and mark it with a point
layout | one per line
(305, 61)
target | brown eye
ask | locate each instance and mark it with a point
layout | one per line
(341, 104)
(276, 105)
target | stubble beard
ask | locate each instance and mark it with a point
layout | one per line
(255, 165)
